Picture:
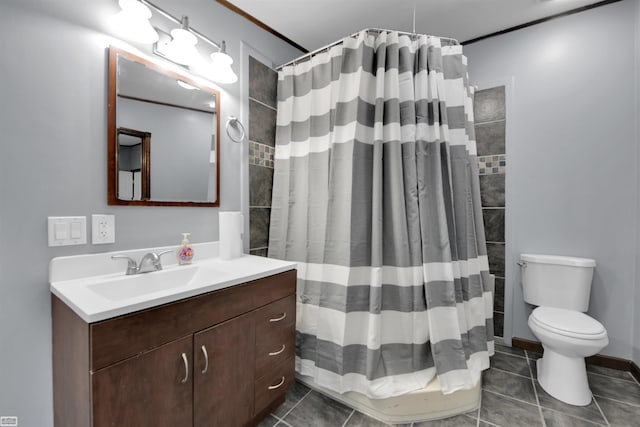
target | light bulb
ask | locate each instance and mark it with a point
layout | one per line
(220, 70)
(182, 47)
(223, 74)
(132, 22)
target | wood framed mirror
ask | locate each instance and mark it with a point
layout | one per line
(163, 136)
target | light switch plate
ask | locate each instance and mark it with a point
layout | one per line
(67, 230)
(103, 229)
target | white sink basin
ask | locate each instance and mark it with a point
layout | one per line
(97, 289)
(125, 287)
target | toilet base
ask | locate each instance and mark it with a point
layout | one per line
(564, 378)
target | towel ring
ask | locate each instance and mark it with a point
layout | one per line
(233, 121)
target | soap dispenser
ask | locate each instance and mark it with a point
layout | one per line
(185, 252)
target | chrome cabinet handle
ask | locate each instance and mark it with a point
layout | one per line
(206, 359)
(186, 368)
(273, 387)
(277, 319)
(275, 353)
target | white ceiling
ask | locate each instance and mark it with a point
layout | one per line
(316, 23)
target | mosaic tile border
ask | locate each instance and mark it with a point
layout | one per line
(492, 165)
(261, 154)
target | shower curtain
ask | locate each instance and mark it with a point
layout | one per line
(376, 197)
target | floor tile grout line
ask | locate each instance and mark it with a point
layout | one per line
(510, 397)
(604, 417)
(353, 411)
(283, 422)
(478, 411)
(276, 417)
(489, 423)
(609, 376)
(510, 354)
(635, 405)
(297, 403)
(560, 411)
(535, 391)
(513, 373)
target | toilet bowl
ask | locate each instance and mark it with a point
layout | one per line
(567, 337)
(560, 287)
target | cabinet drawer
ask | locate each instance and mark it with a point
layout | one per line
(274, 384)
(274, 349)
(275, 318)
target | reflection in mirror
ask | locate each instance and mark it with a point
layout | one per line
(133, 159)
(163, 135)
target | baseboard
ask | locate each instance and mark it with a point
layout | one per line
(610, 362)
(525, 344)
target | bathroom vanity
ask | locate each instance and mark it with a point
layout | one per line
(219, 351)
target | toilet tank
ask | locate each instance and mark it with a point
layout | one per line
(557, 281)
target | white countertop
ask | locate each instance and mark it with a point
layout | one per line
(75, 279)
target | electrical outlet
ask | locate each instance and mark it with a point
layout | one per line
(103, 229)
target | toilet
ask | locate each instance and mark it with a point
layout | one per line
(560, 287)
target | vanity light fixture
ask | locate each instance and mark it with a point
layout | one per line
(132, 22)
(181, 49)
(221, 70)
(180, 46)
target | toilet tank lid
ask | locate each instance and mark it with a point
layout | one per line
(558, 260)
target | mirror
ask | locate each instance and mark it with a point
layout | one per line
(163, 136)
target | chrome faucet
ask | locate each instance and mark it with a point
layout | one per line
(150, 262)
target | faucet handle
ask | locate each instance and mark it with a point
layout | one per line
(157, 262)
(164, 252)
(132, 267)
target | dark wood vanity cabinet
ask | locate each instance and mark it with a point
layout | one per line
(222, 384)
(145, 390)
(224, 358)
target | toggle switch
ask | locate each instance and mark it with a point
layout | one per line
(67, 230)
(62, 230)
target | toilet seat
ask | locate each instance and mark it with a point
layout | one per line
(568, 323)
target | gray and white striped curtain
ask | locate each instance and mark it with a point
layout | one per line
(376, 197)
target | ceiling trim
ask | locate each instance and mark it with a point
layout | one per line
(540, 21)
(266, 27)
(261, 24)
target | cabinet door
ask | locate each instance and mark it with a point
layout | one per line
(224, 373)
(152, 389)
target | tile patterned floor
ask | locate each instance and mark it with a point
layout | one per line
(511, 397)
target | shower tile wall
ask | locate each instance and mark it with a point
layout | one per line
(490, 120)
(262, 130)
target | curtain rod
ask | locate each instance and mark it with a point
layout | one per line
(368, 30)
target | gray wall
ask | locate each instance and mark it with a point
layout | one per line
(572, 181)
(180, 147)
(636, 324)
(53, 125)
